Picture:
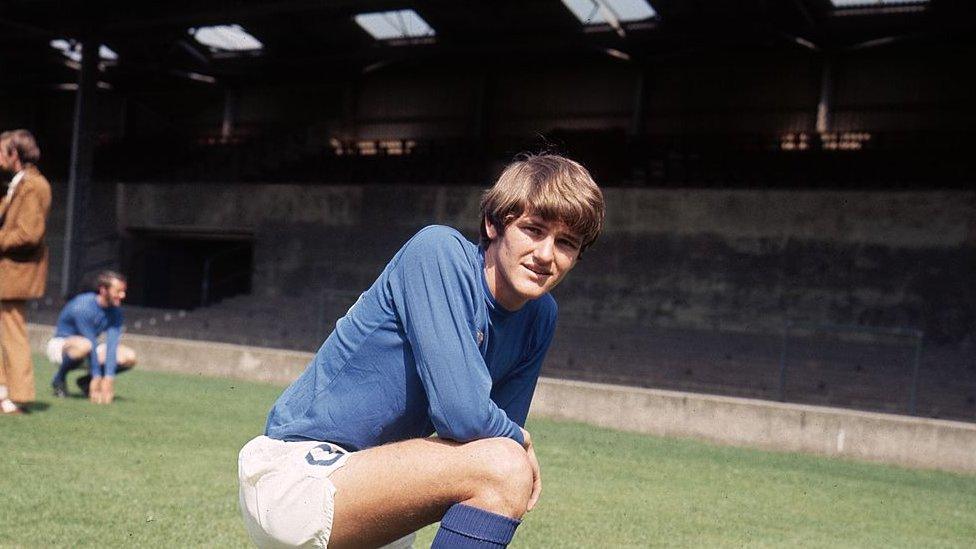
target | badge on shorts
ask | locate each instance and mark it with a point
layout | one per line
(323, 454)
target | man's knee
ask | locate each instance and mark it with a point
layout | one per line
(503, 476)
(126, 357)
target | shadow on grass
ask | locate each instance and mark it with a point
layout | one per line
(36, 407)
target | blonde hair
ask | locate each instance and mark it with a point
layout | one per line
(551, 186)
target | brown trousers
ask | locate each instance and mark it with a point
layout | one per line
(16, 367)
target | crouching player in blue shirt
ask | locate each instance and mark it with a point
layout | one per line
(82, 320)
(449, 339)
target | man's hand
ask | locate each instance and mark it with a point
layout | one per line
(536, 472)
(95, 390)
(108, 390)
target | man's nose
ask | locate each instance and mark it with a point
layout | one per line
(544, 252)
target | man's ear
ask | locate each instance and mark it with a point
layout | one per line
(490, 229)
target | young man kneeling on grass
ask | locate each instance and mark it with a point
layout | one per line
(449, 339)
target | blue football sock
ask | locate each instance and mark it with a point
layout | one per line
(66, 365)
(466, 527)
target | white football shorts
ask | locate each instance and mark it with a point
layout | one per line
(55, 346)
(55, 349)
(286, 496)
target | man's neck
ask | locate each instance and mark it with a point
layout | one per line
(102, 301)
(509, 303)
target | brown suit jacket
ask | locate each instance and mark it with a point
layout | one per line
(23, 254)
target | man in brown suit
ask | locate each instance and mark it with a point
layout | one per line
(23, 263)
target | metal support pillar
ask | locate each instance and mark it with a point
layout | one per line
(80, 169)
(231, 101)
(484, 99)
(481, 104)
(824, 106)
(639, 100)
(350, 104)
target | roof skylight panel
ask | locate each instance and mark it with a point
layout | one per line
(226, 38)
(72, 50)
(875, 3)
(393, 25)
(594, 12)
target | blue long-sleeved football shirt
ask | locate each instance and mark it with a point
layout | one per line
(82, 316)
(426, 348)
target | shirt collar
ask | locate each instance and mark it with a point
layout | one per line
(13, 182)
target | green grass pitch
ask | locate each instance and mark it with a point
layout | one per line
(158, 469)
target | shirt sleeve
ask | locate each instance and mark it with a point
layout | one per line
(435, 297)
(514, 392)
(112, 335)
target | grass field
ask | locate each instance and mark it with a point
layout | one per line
(158, 469)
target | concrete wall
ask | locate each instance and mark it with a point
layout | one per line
(898, 440)
(731, 259)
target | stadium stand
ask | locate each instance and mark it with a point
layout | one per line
(852, 370)
(768, 162)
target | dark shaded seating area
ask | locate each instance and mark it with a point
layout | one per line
(892, 160)
(849, 370)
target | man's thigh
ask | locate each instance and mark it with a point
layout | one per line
(77, 347)
(13, 326)
(385, 492)
(125, 357)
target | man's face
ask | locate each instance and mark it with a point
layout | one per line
(528, 259)
(6, 161)
(114, 293)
